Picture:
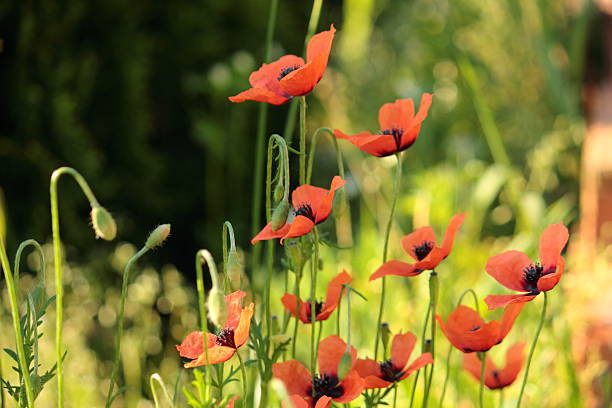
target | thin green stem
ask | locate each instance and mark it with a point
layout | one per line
(395, 396)
(157, 378)
(244, 381)
(120, 319)
(314, 268)
(23, 362)
(17, 263)
(433, 299)
(228, 229)
(501, 398)
(396, 192)
(418, 373)
(302, 140)
(298, 275)
(204, 256)
(313, 146)
(2, 402)
(57, 260)
(532, 350)
(483, 359)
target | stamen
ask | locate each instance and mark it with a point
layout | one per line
(325, 385)
(531, 275)
(286, 71)
(421, 251)
(306, 211)
(389, 373)
(318, 309)
(396, 133)
(226, 338)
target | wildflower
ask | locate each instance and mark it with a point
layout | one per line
(322, 309)
(421, 245)
(318, 391)
(399, 128)
(312, 205)
(222, 346)
(278, 82)
(382, 375)
(468, 332)
(497, 378)
(516, 271)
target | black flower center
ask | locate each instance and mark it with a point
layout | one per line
(306, 211)
(396, 133)
(421, 251)
(390, 373)
(318, 309)
(286, 71)
(226, 338)
(325, 385)
(531, 275)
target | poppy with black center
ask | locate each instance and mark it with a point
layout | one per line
(399, 125)
(496, 378)
(319, 391)
(422, 246)
(516, 271)
(382, 375)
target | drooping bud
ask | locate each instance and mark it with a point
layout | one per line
(346, 363)
(280, 214)
(103, 223)
(385, 333)
(217, 307)
(234, 269)
(279, 191)
(433, 287)
(158, 236)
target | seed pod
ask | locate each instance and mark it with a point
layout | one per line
(217, 307)
(279, 191)
(346, 363)
(427, 346)
(280, 214)
(103, 223)
(433, 287)
(158, 236)
(234, 269)
(385, 333)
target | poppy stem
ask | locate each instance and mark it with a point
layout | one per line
(532, 350)
(244, 380)
(483, 359)
(314, 267)
(17, 264)
(423, 342)
(396, 190)
(433, 299)
(297, 311)
(395, 396)
(501, 398)
(228, 229)
(203, 256)
(302, 140)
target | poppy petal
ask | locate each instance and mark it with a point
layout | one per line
(497, 301)
(234, 308)
(507, 268)
(417, 238)
(401, 349)
(549, 281)
(396, 115)
(295, 376)
(511, 312)
(299, 227)
(290, 302)
(308, 195)
(267, 75)
(334, 289)
(473, 365)
(325, 206)
(296, 402)
(320, 43)
(352, 386)
(216, 354)
(331, 350)
(553, 240)
(451, 230)
(431, 261)
(192, 346)
(259, 95)
(268, 233)
(466, 330)
(241, 333)
(397, 268)
(420, 362)
(323, 402)
(515, 357)
(369, 370)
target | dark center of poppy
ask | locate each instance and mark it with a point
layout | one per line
(396, 133)
(286, 71)
(389, 372)
(306, 211)
(318, 309)
(473, 329)
(226, 338)
(531, 275)
(421, 251)
(325, 385)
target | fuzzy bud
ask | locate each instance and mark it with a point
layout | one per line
(279, 191)
(385, 333)
(234, 269)
(217, 307)
(280, 214)
(158, 236)
(346, 363)
(103, 223)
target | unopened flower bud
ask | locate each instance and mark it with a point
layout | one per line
(158, 236)
(280, 214)
(217, 307)
(279, 191)
(385, 333)
(346, 363)
(275, 327)
(293, 253)
(103, 223)
(280, 338)
(433, 287)
(234, 269)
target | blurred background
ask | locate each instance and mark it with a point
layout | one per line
(134, 96)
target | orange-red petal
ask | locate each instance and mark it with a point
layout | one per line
(507, 268)
(549, 281)
(192, 346)
(466, 330)
(259, 95)
(416, 238)
(295, 376)
(319, 199)
(234, 308)
(369, 370)
(216, 354)
(334, 290)
(299, 227)
(396, 115)
(401, 349)
(420, 362)
(352, 386)
(511, 312)
(451, 230)
(515, 358)
(331, 350)
(553, 240)
(397, 268)
(497, 301)
(241, 333)
(268, 233)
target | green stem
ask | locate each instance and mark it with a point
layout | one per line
(418, 373)
(119, 331)
(433, 294)
(41, 256)
(532, 350)
(23, 362)
(483, 360)
(313, 146)
(396, 189)
(314, 267)
(501, 398)
(157, 378)
(302, 140)
(395, 396)
(57, 256)
(228, 229)
(204, 256)
(298, 275)
(244, 381)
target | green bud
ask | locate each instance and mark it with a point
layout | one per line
(275, 326)
(234, 269)
(103, 223)
(37, 385)
(280, 214)
(217, 307)
(293, 253)
(433, 287)
(385, 333)
(279, 191)
(158, 236)
(345, 364)
(427, 346)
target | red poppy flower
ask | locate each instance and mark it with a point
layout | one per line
(399, 128)
(494, 377)
(222, 346)
(322, 309)
(312, 205)
(516, 271)
(467, 331)
(421, 245)
(327, 385)
(276, 83)
(382, 375)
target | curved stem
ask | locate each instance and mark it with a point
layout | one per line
(314, 268)
(396, 189)
(313, 146)
(119, 331)
(157, 378)
(23, 362)
(17, 263)
(228, 229)
(532, 350)
(482, 377)
(57, 256)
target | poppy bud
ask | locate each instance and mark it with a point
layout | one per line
(385, 333)
(345, 364)
(158, 236)
(279, 191)
(293, 253)
(37, 385)
(275, 328)
(433, 287)
(217, 307)
(427, 346)
(234, 269)
(280, 214)
(103, 223)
